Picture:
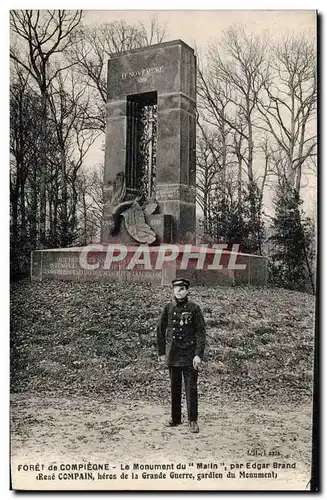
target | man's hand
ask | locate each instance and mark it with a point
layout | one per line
(196, 362)
(162, 358)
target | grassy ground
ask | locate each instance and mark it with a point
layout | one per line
(101, 337)
(86, 383)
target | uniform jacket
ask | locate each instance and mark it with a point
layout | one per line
(181, 333)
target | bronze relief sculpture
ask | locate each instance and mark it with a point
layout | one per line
(133, 212)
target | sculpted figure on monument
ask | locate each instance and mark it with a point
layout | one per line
(131, 211)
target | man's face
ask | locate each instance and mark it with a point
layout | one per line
(180, 292)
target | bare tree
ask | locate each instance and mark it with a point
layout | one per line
(26, 163)
(213, 107)
(206, 178)
(153, 33)
(288, 107)
(90, 204)
(67, 103)
(239, 65)
(229, 88)
(23, 149)
(39, 36)
(93, 46)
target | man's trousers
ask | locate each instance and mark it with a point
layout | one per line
(191, 389)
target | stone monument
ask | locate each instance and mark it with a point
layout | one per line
(151, 88)
(149, 182)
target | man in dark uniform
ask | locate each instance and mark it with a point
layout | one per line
(181, 342)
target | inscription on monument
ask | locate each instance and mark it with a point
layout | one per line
(141, 72)
(69, 267)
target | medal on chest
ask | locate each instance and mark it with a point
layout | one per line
(186, 318)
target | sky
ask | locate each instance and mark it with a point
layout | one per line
(198, 28)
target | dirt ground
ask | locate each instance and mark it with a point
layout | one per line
(53, 430)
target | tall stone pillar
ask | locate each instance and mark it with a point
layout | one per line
(169, 70)
(175, 182)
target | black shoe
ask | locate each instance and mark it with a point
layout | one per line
(194, 427)
(172, 423)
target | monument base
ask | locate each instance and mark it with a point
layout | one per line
(150, 264)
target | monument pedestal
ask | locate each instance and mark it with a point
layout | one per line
(70, 264)
(145, 264)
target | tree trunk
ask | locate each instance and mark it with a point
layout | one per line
(85, 219)
(34, 212)
(64, 206)
(239, 184)
(22, 212)
(55, 216)
(14, 218)
(43, 197)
